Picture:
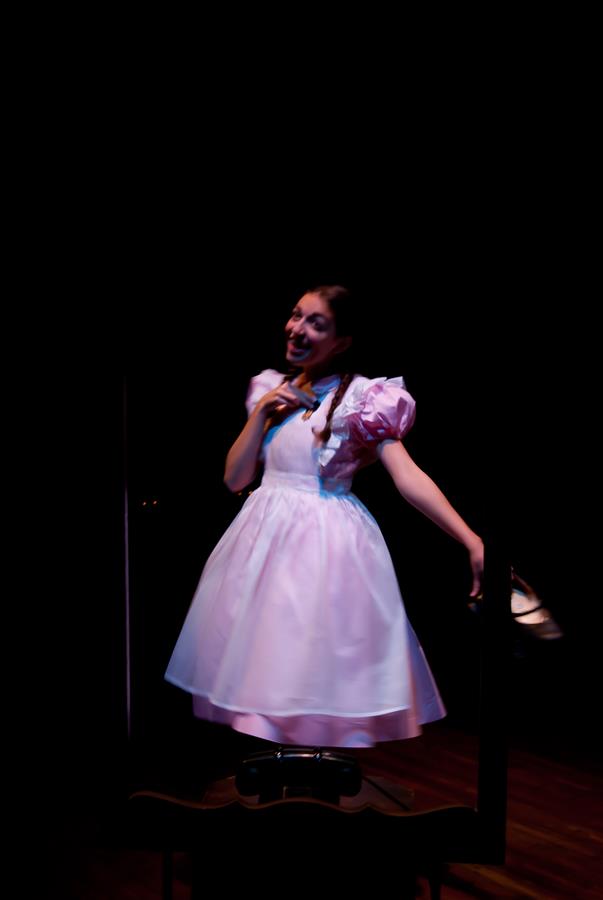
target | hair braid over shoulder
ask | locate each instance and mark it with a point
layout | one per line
(344, 384)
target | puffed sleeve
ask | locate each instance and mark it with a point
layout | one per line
(383, 409)
(260, 385)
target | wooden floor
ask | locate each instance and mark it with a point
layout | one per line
(554, 834)
(554, 821)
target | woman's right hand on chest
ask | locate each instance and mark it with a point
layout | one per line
(285, 397)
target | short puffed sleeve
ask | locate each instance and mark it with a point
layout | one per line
(259, 385)
(378, 409)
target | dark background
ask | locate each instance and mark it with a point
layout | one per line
(164, 220)
(498, 428)
(471, 258)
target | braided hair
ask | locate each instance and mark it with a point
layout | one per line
(344, 384)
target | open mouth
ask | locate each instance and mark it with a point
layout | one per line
(298, 350)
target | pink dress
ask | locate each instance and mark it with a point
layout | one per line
(297, 631)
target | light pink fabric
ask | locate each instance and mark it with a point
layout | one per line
(297, 631)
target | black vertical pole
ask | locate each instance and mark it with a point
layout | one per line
(494, 679)
(126, 538)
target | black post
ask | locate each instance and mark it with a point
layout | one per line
(495, 657)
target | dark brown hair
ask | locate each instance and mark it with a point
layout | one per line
(342, 305)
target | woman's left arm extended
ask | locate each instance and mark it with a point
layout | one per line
(421, 492)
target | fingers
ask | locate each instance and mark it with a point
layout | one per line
(476, 587)
(285, 403)
(303, 398)
(289, 397)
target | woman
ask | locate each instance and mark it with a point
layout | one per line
(297, 632)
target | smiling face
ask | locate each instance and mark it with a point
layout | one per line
(312, 338)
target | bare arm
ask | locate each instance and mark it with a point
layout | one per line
(421, 492)
(243, 457)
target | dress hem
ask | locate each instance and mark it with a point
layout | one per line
(288, 713)
(319, 729)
